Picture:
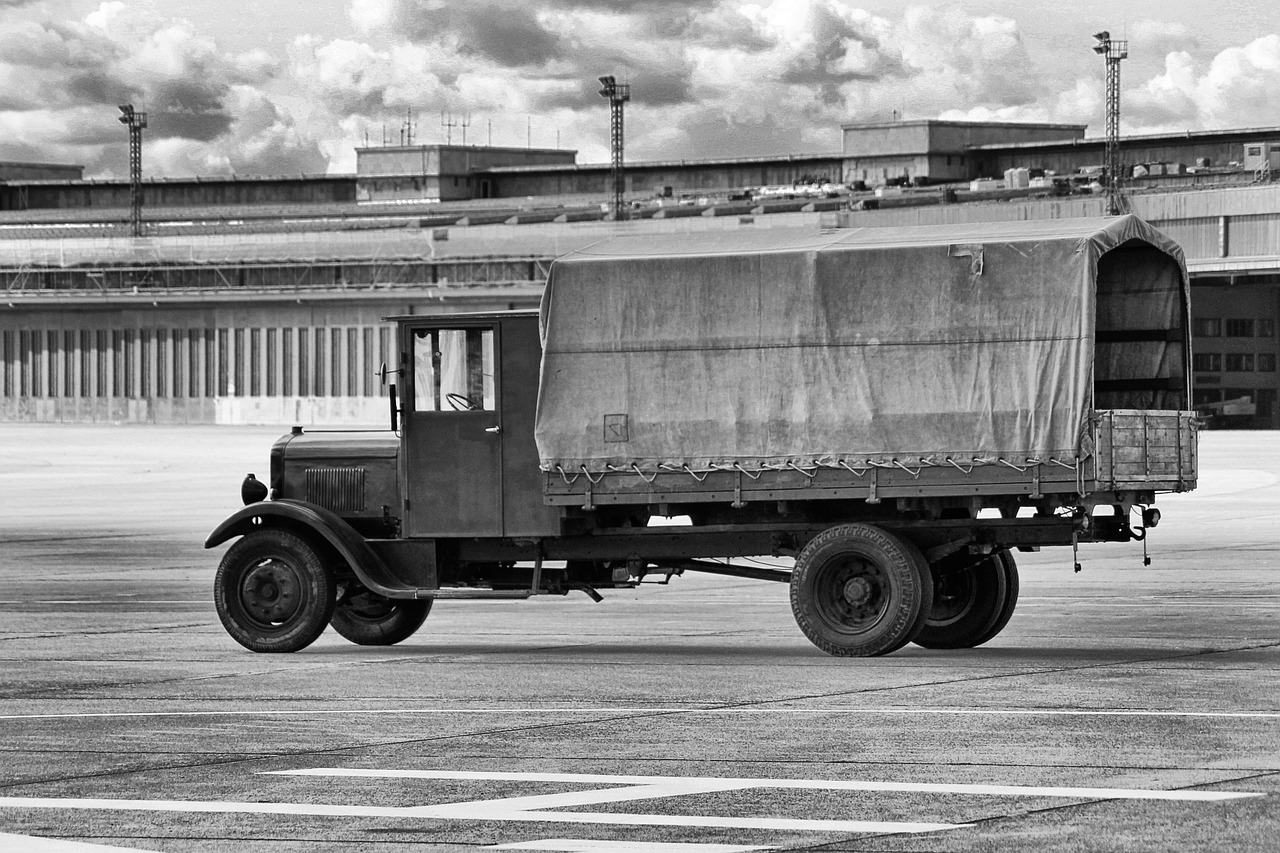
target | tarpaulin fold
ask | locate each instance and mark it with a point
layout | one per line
(763, 348)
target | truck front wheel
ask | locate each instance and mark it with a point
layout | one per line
(273, 592)
(368, 619)
(860, 591)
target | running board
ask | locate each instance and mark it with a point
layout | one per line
(459, 592)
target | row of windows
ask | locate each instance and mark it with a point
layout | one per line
(1236, 362)
(1213, 327)
(1264, 399)
(135, 363)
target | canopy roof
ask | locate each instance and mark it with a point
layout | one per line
(970, 343)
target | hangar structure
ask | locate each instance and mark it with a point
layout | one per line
(922, 151)
(262, 302)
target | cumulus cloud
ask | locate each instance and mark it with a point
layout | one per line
(1160, 38)
(774, 74)
(505, 34)
(62, 81)
(1236, 88)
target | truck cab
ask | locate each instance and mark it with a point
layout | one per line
(469, 462)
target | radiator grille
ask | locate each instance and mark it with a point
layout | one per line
(338, 489)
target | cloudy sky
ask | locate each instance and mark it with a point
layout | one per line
(256, 87)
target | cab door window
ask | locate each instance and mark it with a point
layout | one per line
(453, 370)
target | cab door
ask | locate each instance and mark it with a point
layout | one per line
(452, 426)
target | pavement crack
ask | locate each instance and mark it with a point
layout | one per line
(1000, 676)
(59, 635)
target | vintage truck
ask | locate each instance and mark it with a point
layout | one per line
(898, 410)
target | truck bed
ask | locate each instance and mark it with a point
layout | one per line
(1122, 450)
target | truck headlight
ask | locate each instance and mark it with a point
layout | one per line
(252, 490)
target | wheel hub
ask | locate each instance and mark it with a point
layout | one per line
(953, 596)
(857, 591)
(271, 591)
(855, 594)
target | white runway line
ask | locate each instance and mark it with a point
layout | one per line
(708, 783)
(1244, 601)
(573, 845)
(538, 808)
(363, 712)
(32, 844)
(483, 811)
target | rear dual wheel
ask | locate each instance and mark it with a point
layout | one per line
(859, 591)
(974, 598)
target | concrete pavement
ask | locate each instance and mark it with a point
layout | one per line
(1124, 708)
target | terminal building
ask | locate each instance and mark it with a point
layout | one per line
(261, 299)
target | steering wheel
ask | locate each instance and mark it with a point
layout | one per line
(461, 403)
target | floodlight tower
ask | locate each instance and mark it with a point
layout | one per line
(136, 121)
(1112, 50)
(617, 94)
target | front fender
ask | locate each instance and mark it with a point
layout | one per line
(322, 523)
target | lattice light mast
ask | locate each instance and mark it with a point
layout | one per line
(135, 121)
(1112, 50)
(617, 94)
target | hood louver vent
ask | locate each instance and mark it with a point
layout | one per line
(338, 489)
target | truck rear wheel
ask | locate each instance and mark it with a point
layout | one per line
(968, 594)
(969, 612)
(368, 619)
(273, 592)
(859, 591)
(1010, 602)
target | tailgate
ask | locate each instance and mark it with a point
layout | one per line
(1147, 450)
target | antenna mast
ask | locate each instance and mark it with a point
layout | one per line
(617, 95)
(406, 132)
(136, 121)
(1112, 50)
(448, 127)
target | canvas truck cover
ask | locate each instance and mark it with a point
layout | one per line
(961, 344)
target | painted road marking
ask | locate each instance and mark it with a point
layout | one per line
(538, 808)
(533, 809)
(483, 810)
(366, 711)
(32, 844)
(574, 845)
(727, 784)
(1169, 603)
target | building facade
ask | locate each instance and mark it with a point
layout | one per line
(933, 151)
(1216, 149)
(16, 171)
(442, 172)
(287, 326)
(261, 330)
(74, 194)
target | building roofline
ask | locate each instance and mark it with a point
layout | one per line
(197, 179)
(501, 149)
(33, 164)
(664, 164)
(934, 122)
(1200, 135)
